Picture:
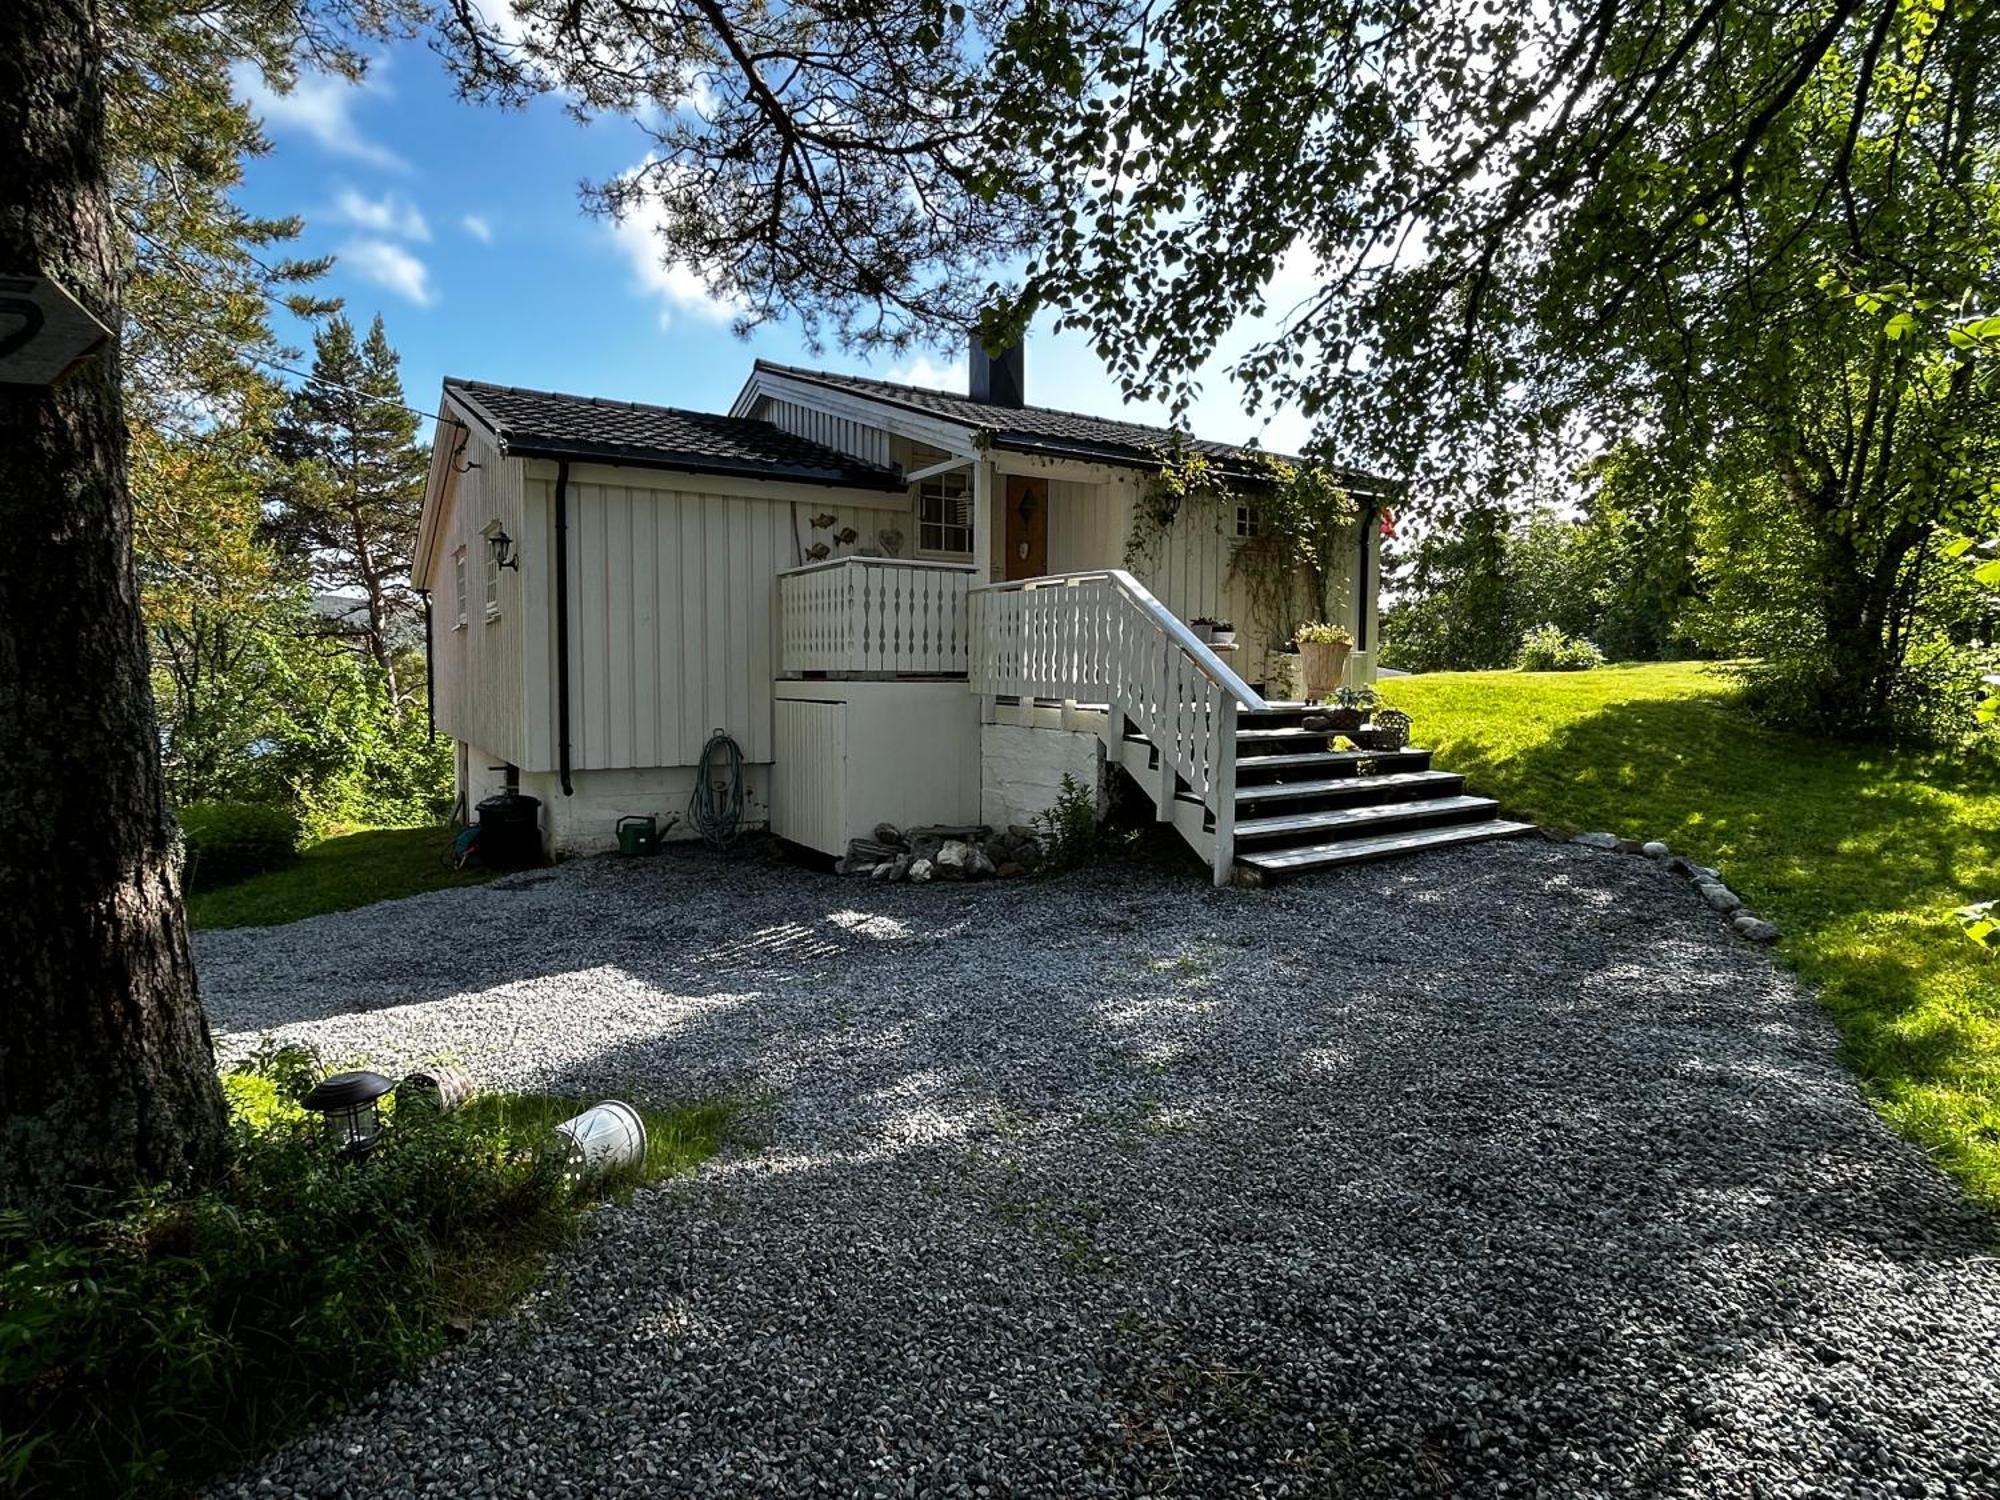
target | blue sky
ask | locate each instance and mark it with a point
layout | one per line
(460, 224)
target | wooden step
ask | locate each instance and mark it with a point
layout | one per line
(1283, 732)
(1355, 788)
(1317, 760)
(1338, 822)
(1305, 857)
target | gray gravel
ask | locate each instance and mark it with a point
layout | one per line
(1504, 1171)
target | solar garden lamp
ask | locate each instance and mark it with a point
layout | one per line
(350, 1103)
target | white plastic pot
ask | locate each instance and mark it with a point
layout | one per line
(603, 1139)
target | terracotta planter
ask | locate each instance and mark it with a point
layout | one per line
(1324, 663)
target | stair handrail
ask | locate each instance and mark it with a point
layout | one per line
(1170, 624)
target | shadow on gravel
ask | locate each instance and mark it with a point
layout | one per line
(1419, 1209)
(1502, 1171)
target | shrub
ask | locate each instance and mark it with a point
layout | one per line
(227, 841)
(1068, 827)
(146, 1349)
(1547, 649)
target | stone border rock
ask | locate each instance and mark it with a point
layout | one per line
(1707, 880)
(939, 852)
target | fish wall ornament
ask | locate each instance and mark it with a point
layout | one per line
(818, 551)
(846, 536)
(825, 519)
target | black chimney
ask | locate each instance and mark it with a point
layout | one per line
(998, 379)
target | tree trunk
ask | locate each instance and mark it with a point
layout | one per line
(107, 1080)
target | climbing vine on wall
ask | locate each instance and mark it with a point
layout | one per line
(1291, 565)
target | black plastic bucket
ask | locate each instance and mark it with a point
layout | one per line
(510, 831)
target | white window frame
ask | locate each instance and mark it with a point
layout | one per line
(459, 586)
(1248, 522)
(952, 485)
(490, 582)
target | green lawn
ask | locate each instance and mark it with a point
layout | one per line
(351, 869)
(1859, 854)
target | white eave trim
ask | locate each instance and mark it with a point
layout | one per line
(955, 438)
(452, 420)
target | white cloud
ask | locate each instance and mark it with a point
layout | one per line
(678, 288)
(319, 106)
(925, 371)
(476, 226)
(388, 214)
(389, 265)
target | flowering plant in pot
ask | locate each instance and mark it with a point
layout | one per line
(1323, 651)
(1203, 628)
(1224, 633)
(1349, 708)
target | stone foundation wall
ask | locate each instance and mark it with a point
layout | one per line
(1021, 770)
(587, 822)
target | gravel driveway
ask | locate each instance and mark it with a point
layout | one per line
(1504, 1171)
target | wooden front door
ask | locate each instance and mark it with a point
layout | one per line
(1027, 527)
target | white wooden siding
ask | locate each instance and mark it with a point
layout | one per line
(671, 622)
(809, 780)
(1086, 526)
(477, 676)
(1188, 570)
(843, 434)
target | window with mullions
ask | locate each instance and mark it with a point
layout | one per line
(944, 513)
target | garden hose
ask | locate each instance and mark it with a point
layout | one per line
(716, 805)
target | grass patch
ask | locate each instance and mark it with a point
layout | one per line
(336, 874)
(149, 1350)
(1860, 854)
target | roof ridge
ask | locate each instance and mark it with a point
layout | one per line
(1054, 411)
(1252, 447)
(610, 401)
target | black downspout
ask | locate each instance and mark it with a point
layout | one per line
(430, 681)
(562, 625)
(1361, 582)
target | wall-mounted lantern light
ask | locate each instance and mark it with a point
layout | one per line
(504, 555)
(351, 1105)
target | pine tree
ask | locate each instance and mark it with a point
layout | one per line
(353, 492)
(107, 1080)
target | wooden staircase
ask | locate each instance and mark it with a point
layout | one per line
(1300, 806)
(1243, 782)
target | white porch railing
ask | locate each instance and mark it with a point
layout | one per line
(1101, 637)
(874, 616)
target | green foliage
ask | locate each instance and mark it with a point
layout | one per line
(1547, 649)
(1291, 567)
(338, 873)
(1756, 245)
(1621, 574)
(1981, 922)
(350, 492)
(1070, 833)
(151, 1347)
(1455, 608)
(227, 841)
(1762, 597)
(1859, 853)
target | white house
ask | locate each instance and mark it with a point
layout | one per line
(901, 604)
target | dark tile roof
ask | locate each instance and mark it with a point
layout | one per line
(1044, 429)
(546, 424)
